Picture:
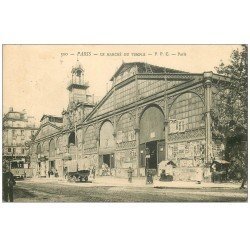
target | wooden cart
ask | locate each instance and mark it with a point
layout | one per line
(79, 176)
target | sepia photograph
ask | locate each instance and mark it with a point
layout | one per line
(124, 123)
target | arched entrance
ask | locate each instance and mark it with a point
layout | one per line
(152, 137)
(107, 148)
(72, 161)
(52, 153)
(72, 139)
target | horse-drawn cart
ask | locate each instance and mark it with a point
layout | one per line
(79, 176)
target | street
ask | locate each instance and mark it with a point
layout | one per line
(54, 191)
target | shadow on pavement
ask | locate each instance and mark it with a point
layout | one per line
(22, 193)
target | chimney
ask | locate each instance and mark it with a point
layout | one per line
(24, 114)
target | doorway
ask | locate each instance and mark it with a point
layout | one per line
(151, 155)
(52, 165)
(109, 160)
(107, 164)
(106, 159)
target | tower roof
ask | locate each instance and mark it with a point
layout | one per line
(143, 67)
(76, 67)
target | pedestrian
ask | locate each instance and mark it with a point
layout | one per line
(130, 174)
(149, 177)
(199, 175)
(8, 185)
(93, 172)
(163, 176)
(213, 170)
(49, 173)
(244, 177)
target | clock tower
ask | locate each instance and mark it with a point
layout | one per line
(80, 102)
(77, 86)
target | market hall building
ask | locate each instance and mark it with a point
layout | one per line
(150, 114)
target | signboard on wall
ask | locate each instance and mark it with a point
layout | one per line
(125, 136)
(172, 126)
(131, 136)
(152, 135)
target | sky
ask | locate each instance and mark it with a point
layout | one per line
(35, 77)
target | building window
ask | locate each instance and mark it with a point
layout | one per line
(178, 125)
(14, 150)
(125, 129)
(22, 150)
(22, 132)
(90, 138)
(150, 87)
(107, 106)
(186, 113)
(125, 95)
(13, 132)
(9, 150)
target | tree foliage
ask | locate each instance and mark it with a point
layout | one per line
(230, 118)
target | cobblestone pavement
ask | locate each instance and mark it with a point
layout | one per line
(109, 189)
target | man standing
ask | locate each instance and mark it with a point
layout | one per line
(8, 184)
(130, 174)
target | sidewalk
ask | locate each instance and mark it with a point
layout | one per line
(109, 181)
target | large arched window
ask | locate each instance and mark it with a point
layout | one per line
(45, 147)
(72, 139)
(152, 125)
(107, 136)
(39, 148)
(72, 144)
(186, 113)
(59, 144)
(90, 138)
(125, 128)
(52, 148)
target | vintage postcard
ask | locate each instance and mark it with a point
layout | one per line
(124, 123)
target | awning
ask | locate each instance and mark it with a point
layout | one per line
(221, 161)
(167, 162)
(171, 163)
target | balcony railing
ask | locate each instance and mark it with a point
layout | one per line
(80, 82)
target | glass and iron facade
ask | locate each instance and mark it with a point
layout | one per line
(149, 115)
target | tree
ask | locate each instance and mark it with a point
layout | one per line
(230, 118)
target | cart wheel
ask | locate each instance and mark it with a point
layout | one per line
(86, 178)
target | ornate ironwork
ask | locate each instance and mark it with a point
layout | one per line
(187, 135)
(126, 145)
(199, 91)
(90, 150)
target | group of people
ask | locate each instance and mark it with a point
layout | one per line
(149, 175)
(53, 172)
(105, 171)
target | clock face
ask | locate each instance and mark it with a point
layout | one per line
(78, 72)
